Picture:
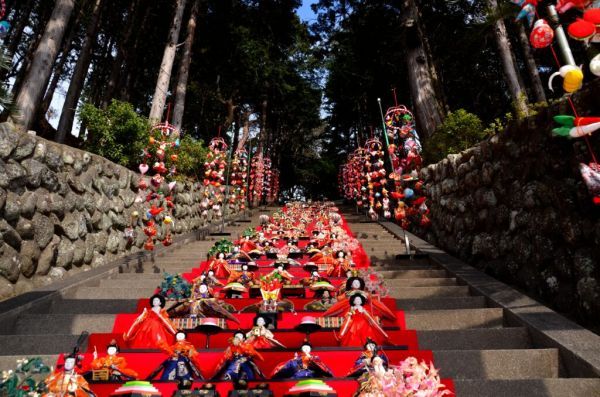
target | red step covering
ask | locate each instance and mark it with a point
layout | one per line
(241, 303)
(292, 340)
(123, 321)
(340, 360)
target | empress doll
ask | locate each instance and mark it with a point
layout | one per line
(151, 326)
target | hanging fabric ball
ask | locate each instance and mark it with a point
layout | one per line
(541, 34)
(581, 30)
(595, 65)
(4, 28)
(408, 192)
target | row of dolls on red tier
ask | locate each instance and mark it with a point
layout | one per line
(184, 362)
(336, 263)
(359, 314)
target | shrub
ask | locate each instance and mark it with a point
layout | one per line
(459, 131)
(117, 133)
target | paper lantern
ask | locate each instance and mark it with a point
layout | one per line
(541, 34)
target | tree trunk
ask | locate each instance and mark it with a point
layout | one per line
(117, 66)
(164, 74)
(263, 124)
(60, 65)
(65, 124)
(424, 86)
(29, 96)
(534, 75)
(184, 68)
(126, 82)
(517, 93)
(245, 122)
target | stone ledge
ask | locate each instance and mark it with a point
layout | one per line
(579, 348)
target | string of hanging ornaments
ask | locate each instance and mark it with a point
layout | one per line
(267, 185)
(274, 192)
(404, 151)
(586, 31)
(214, 178)
(238, 179)
(257, 178)
(4, 25)
(376, 176)
(156, 186)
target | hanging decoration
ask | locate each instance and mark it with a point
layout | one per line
(563, 6)
(268, 179)
(528, 10)
(595, 65)
(257, 178)
(541, 35)
(238, 178)
(157, 190)
(214, 177)
(4, 25)
(376, 176)
(274, 194)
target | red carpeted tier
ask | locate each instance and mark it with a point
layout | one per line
(325, 342)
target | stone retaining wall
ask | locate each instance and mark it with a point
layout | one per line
(63, 210)
(516, 206)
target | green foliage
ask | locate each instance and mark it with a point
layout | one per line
(117, 133)
(175, 286)
(26, 378)
(192, 154)
(458, 132)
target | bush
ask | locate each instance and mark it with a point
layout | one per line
(459, 131)
(192, 154)
(117, 133)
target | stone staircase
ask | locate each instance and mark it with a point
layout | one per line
(50, 329)
(472, 342)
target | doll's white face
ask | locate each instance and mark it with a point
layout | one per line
(355, 284)
(357, 301)
(349, 274)
(371, 347)
(280, 268)
(260, 322)
(237, 339)
(326, 294)
(180, 336)
(341, 254)
(211, 273)
(244, 267)
(315, 274)
(221, 256)
(155, 302)
(111, 351)
(203, 288)
(69, 363)
(306, 349)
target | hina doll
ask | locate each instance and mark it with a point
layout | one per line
(203, 303)
(238, 361)
(183, 363)
(67, 382)
(260, 337)
(365, 362)
(209, 279)
(244, 277)
(303, 366)
(315, 277)
(249, 247)
(359, 322)
(219, 266)
(114, 364)
(151, 326)
(340, 265)
(324, 302)
(280, 272)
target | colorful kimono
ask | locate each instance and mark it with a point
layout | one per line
(116, 367)
(183, 363)
(148, 329)
(261, 338)
(364, 363)
(238, 363)
(302, 366)
(67, 383)
(339, 267)
(220, 267)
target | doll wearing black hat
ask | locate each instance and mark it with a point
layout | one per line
(364, 363)
(304, 365)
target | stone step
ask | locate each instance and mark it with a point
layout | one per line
(127, 283)
(35, 345)
(44, 324)
(138, 276)
(110, 293)
(93, 306)
(426, 292)
(420, 282)
(454, 319)
(392, 274)
(445, 303)
(528, 387)
(497, 364)
(473, 339)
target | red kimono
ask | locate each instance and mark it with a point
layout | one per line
(150, 328)
(220, 267)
